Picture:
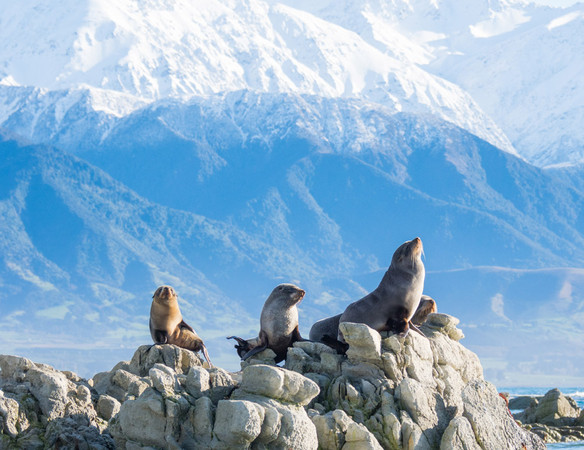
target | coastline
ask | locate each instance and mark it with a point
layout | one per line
(577, 393)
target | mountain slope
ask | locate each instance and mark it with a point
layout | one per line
(245, 191)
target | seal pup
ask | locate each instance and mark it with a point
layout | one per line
(278, 324)
(427, 305)
(167, 325)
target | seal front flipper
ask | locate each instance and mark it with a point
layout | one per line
(415, 328)
(296, 337)
(160, 337)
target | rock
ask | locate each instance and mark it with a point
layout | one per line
(163, 379)
(12, 419)
(222, 384)
(178, 359)
(107, 407)
(459, 434)
(554, 408)
(238, 422)
(198, 381)
(143, 420)
(364, 343)
(203, 419)
(413, 393)
(490, 419)
(73, 433)
(331, 429)
(523, 402)
(358, 437)
(279, 384)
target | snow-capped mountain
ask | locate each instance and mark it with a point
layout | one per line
(183, 48)
(520, 62)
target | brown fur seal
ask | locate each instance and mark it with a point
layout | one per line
(330, 325)
(167, 325)
(391, 306)
(427, 305)
(278, 324)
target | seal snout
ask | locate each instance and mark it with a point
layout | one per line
(417, 245)
(164, 292)
(301, 293)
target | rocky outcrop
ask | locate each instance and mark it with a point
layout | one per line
(554, 417)
(387, 392)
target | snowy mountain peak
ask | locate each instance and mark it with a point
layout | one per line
(179, 49)
(505, 70)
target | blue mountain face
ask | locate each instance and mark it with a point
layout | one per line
(227, 196)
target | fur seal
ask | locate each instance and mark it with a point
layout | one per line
(391, 306)
(278, 324)
(167, 325)
(330, 325)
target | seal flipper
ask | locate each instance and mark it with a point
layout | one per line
(262, 345)
(254, 351)
(206, 355)
(242, 346)
(183, 324)
(415, 328)
(297, 338)
(160, 337)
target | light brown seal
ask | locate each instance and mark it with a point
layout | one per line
(278, 324)
(167, 325)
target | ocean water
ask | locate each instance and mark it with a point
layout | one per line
(570, 445)
(576, 393)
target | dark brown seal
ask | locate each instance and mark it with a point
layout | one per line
(330, 325)
(391, 306)
(393, 303)
(167, 325)
(278, 324)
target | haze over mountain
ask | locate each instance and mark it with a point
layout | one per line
(223, 148)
